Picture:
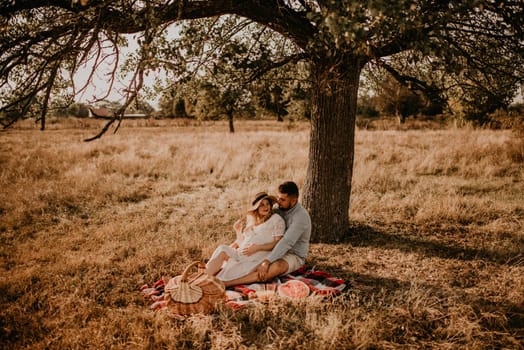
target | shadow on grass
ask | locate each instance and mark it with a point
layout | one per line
(504, 317)
(435, 244)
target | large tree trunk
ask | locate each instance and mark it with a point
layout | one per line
(328, 182)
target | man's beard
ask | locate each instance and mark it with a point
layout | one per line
(283, 208)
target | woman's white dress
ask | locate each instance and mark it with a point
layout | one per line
(240, 265)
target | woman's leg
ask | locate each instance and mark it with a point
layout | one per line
(215, 263)
(276, 268)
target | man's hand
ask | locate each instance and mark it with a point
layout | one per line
(262, 270)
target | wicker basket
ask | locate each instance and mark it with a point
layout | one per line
(192, 293)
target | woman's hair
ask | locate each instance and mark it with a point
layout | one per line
(290, 188)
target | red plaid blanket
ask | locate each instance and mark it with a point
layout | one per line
(319, 283)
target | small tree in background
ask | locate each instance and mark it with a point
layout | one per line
(179, 109)
(172, 103)
(216, 82)
(79, 110)
(284, 91)
(271, 99)
(140, 107)
(367, 106)
(407, 85)
(475, 89)
(397, 100)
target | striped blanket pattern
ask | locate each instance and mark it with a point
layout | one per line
(319, 282)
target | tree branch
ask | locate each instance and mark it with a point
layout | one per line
(272, 65)
(276, 14)
(432, 92)
(103, 131)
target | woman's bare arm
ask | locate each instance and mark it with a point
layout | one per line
(237, 226)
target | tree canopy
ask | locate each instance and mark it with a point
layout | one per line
(42, 43)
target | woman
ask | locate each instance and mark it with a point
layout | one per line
(262, 232)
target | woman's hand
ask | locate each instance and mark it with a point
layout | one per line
(237, 226)
(250, 249)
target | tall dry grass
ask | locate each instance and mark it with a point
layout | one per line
(435, 259)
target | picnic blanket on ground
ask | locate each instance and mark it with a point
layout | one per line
(319, 283)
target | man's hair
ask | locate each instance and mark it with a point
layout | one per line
(290, 188)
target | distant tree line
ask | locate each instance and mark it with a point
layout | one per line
(382, 95)
(286, 94)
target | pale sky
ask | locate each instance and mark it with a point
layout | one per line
(99, 85)
(100, 82)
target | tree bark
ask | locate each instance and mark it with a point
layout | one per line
(230, 121)
(327, 187)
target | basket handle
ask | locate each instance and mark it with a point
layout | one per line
(186, 271)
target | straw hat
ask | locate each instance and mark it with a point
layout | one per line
(258, 199)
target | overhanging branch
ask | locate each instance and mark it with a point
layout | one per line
(414, 84)
(124, 18)
(103, 131)
(276, 64)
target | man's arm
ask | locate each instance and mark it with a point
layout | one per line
(300, 226)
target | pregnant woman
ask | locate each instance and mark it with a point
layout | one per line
(263, 230)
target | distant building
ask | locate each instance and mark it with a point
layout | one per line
(106, 113)
(100, 113)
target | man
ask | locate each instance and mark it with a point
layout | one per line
(291, 251)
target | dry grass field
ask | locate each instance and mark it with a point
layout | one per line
(435, 258)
